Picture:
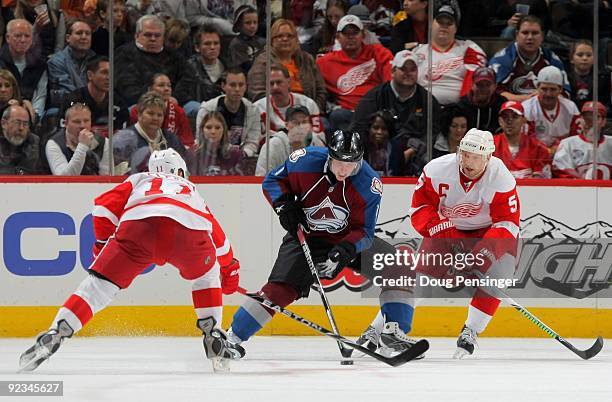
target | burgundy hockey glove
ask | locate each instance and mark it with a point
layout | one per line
(230, 275)
(290, 215)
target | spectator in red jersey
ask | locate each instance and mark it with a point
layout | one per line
(410, 32)
(518, 65)
(454, 61)
(175, 119)
(352, 71)
(574, 157)
(482, 103)
(522, 154)
(305, 76)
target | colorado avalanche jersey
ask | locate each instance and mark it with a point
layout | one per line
(334, 210)
(489, 203)
(574, 158)
(147, 194)
(348, 79)
(451, 70)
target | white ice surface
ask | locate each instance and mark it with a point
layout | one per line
(295, 369)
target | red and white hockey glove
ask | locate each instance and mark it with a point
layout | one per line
(444, 230)
(230, 275)
(98, 246)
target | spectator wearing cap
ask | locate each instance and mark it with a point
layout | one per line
(297, 134)
(454, 60)
(136, 62)
(246, 45)
(351, 72)
(408, 33)
(574, 156)
(404, 98)
(551, 113)
(305, 76)
(203, 71)
(19, 147)
(482, 103)
(369, 37)
(523, 155)
(518, 64)
(241, 116)
(282, 99)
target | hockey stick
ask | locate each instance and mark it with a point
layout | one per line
(415, 351)
(345, 352)
(584, 354)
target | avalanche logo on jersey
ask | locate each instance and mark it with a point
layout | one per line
(376, 187)
(327, 217)
(465, 210)
(356, 76)
(297, 154)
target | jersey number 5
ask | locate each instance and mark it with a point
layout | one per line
(513, 204)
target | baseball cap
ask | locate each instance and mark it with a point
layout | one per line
(448, 11)
(590, 106)
(240, 11)
(550, 75)
(361, 11)
(483, 74)
(349, 19)
(296, 109)
(402, 57)
(515, 106)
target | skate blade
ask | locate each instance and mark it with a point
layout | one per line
(220, 365)
(32, 358)
(460, 353)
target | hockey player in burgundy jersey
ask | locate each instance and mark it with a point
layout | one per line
(154, 217)
(463, 196)
(335, 195)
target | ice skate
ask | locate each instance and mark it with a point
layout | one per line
(46, 344)
(465, 343)
(393, 340)
(217, 347)
(370, 338)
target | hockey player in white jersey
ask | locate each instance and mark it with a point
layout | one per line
(469, 196)
(574, 156)
(153, 217)
(463, 196)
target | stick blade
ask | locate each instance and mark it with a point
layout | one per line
(593, 350)
(415, 351)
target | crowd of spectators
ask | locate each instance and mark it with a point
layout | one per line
(192, 75)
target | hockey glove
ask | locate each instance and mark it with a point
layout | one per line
(337, 258)
(444, 230)
(290, 215)
(230, 275)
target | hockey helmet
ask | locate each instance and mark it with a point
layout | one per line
(346, 147)
(478, 142)
(167, 161)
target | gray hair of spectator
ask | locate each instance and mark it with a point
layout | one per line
(155, 77)
(6, 114)
(12, 23)
(70, 24)
(532, 19)
(8, 76)
(146, 18)
(94, 64)
(150, 99)
(205, 29)
(233, 71)
(78, 106)
(281, 68)
(578, 43)
(224, 148)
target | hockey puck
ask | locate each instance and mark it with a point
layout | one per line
(346, 362)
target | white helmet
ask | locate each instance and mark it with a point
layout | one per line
(167, 161)
(478, 142)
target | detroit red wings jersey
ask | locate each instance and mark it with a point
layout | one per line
(156, 194)
(531, 160)
(574, 158)
(277, 115)
(452, 70)
(350, 79)
(551, 127)
(489, 203)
